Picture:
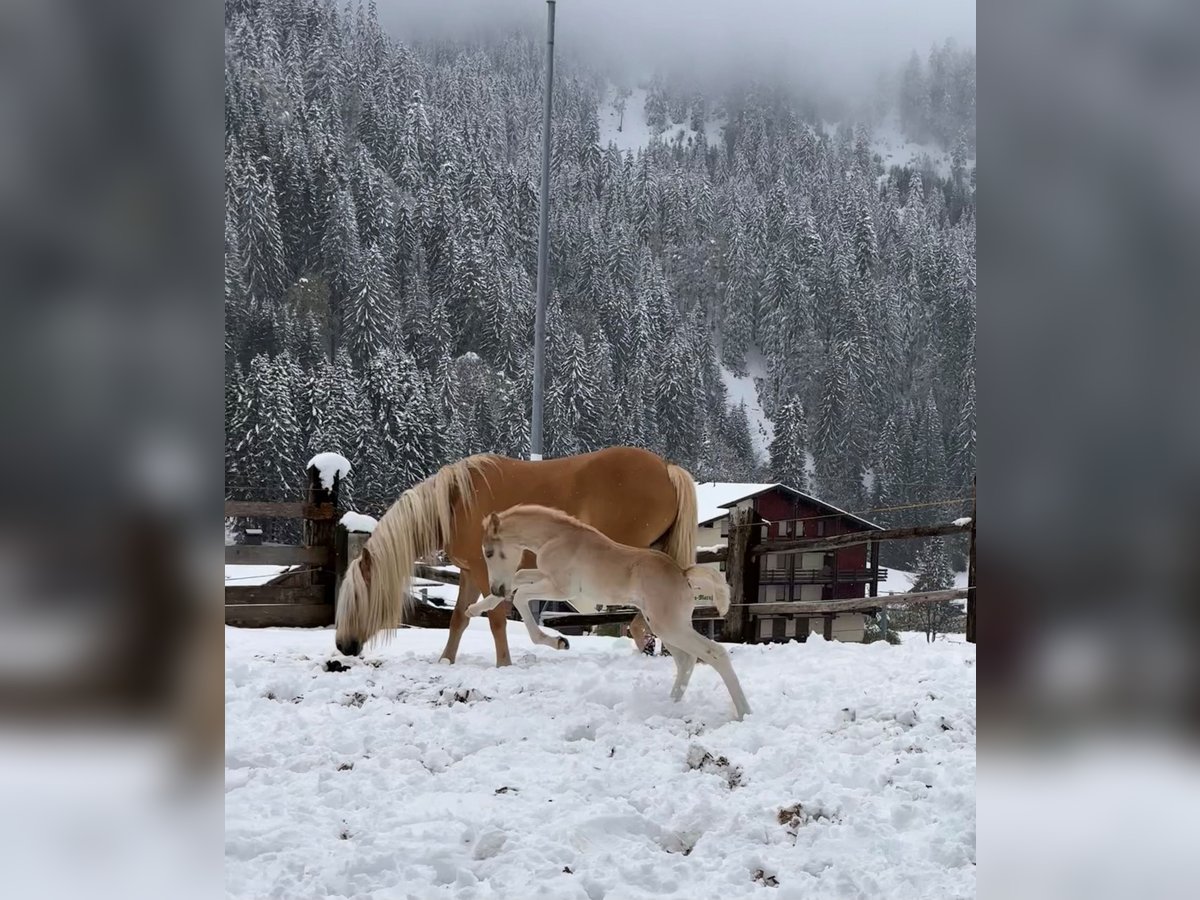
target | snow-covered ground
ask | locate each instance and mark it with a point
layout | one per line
(888, 140)
(572, 775)
(635, 133)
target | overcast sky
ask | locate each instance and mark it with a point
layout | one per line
(835, 42)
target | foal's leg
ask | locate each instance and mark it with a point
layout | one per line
(684, 664)
(487, 604)
(638, 631)
(691, 641)
(530, 584)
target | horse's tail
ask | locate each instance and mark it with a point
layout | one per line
(415, 526)
(708, 582)
(680, 542)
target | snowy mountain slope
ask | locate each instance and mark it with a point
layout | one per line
(888, 140)
(741, 388)
(572, 775)
(635, 133)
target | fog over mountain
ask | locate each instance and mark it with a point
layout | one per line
(762, 224)
(822, 43)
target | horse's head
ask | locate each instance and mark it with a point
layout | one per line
(503, 558)
(355, 623)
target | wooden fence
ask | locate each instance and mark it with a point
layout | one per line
(301, 597)
(306, 596)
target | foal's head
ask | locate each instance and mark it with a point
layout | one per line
(502, 556)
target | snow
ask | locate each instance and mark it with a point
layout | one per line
(636, 134)
(251, 575)
(963, 522)
(447, 593)
(572, 775)
(355, 521)
(741, 388)
(329, 465)
(888, 140)
(711, 496)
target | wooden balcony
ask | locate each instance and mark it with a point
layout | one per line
(820, 576)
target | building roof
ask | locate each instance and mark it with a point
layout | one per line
(713, 499)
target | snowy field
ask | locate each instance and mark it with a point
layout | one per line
(572, 775)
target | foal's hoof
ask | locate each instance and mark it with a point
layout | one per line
(563, 644)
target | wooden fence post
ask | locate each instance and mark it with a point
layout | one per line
(320, 514)
(741, 573)
(971, 573)
(347, 546)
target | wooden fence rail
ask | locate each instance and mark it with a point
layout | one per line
(307, 596)
(834, 542)
(616, 617)
(824, 607)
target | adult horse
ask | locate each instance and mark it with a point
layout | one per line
(630, 495)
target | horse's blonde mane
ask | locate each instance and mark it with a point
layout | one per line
(415, 526)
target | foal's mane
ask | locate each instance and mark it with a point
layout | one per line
(548, 512)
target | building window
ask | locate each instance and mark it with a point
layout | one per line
(820, 528)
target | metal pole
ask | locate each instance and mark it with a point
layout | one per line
(539, 320)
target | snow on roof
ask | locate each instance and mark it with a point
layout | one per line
(714, 497)
(329, 465)
(356, 521)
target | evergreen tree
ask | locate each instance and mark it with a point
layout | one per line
(261, 239)
(380, 235)
(788, 461)
(933, 573)
(963, 440)
(370, 309)
(266, 429)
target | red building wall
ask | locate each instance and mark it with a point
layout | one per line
(777, 507)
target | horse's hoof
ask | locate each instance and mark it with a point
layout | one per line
(564, 644)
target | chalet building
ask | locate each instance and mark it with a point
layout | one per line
(843, 574)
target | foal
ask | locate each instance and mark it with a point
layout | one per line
(579, 565)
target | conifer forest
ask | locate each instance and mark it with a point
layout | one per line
(381, 207)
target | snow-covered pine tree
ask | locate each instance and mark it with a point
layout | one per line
(933, 573)
(260, 239)
(429, 154)
(370, 322)
(962, 447)
(787, 450)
